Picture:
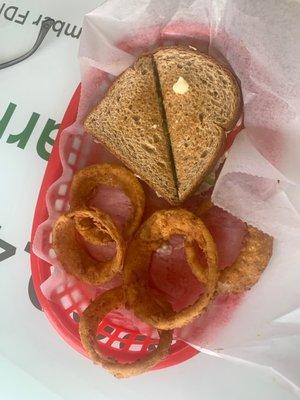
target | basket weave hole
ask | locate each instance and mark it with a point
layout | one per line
(66, 301)
(62, 190)
(76, 143)
(151, 347)
(109, 329)
(75, 316)
(72, 158)
(60, 289)
(102, 338)
(52, 253)
(116, 344)
(83, 306)
(59, 204)
(76, 295)
(135, 347)
(124, 335)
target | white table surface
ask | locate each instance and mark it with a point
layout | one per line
(34, 361)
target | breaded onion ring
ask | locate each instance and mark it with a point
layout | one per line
(254, 257)
(250, 264)
(89, 321)
(153, 233)
(86, 181)
(95, 227)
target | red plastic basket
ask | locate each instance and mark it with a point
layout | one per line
(63, 313)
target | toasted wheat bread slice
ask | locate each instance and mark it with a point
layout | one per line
(204, 103)
(128, 121)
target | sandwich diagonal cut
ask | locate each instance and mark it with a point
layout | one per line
(166, 118)
(128, 121)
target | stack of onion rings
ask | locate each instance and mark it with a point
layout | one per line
(89, 321)
(154, 232)
(98, 228)
(95, 226)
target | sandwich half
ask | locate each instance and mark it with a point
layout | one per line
(128, 121)
(201, 101)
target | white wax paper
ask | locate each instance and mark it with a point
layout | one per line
(260, 40)
(259, 182)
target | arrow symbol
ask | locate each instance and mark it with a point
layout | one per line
(27, 247)
(8, 250)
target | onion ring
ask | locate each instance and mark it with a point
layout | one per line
(254, 257)
(250, 264)
(86, 181)
(89, 321)
(97, 228)
(153, 233)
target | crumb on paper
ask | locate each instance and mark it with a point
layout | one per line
(164, 250)
(181, 86)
